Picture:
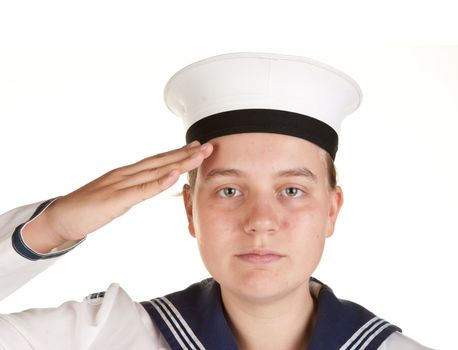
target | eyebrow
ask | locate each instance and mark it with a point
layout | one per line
(294, 172)
(223, 172)
(303, 172)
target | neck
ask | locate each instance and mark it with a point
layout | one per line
(285, 322)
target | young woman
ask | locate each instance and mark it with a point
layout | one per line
(261, 201)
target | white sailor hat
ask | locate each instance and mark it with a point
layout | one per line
(262, 92)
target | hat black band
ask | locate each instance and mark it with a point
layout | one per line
(265, 120)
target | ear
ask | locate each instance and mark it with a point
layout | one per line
(336, 202)
(187, 198)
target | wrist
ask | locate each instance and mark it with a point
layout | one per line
(40, 236)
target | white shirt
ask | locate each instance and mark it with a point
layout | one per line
(113, 321)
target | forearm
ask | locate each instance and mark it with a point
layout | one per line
(39, 235)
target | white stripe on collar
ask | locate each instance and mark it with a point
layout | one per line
(365, 334)
(179, 324)
(369, 340)
(361, 333)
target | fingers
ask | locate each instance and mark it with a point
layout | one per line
(164, 159)
(150, 189)
(151, 174)
(133, 195)
(150, 182)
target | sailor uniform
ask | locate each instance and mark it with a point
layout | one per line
(111, 320)
(223, 95)
(194, 319)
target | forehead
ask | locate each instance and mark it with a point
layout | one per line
(264, 153)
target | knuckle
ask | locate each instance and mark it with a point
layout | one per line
(143, 187)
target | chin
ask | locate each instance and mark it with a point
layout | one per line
(258, 285)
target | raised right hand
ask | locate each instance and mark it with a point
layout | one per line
(73, 216)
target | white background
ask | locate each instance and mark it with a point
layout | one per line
(81, 93)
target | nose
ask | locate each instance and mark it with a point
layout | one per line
(261, 217)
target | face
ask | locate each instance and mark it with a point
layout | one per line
(261, 210)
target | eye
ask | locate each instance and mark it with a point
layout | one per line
(292, 192)
(229, 192)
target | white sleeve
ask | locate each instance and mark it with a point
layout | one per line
(108, 320)
(398, 341)
(19, 263)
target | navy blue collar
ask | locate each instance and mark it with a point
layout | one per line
(194, 319)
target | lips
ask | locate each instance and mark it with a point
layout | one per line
(260, 256)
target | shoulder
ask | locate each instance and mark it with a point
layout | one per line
(113, 310)
(398, 341)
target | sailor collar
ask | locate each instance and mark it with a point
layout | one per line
(194, 319)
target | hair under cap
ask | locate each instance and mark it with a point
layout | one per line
(262, 92)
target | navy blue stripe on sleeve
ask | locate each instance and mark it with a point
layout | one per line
(22, 249)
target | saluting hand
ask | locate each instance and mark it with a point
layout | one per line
(72, 217)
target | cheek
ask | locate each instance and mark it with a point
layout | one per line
(309, 220)
(307, 245)
(214, 228)
(211, 218)
(307, 234)
(216, 238)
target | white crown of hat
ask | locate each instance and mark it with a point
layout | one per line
(262, 80)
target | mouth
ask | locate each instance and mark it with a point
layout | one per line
(260, 256)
